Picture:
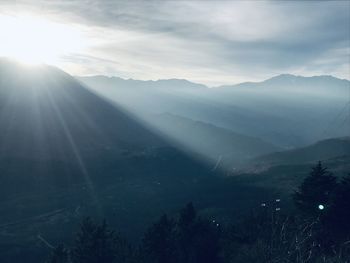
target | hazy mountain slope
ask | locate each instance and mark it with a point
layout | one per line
(284, 171)
(66, 153)
(285, 178)
(165, 84)
(55, 132)
(286, 110)
(192, 102)
(312, 108)
(46, 113)
(320, 151)
(322, 85)
(223, 146)
(152, 97)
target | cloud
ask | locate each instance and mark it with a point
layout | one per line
(214, 42)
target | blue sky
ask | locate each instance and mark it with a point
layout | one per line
(211, 42)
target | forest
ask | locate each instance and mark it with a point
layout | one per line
(316, 230)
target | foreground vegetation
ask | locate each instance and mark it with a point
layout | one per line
(316, 231)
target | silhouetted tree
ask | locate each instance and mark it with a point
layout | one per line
(185, 232)
(198, 238)
(59, 255)
(159, 244)
(187, 216)
(316, 191)
(97, 243)
(190, 239)
(266, 236)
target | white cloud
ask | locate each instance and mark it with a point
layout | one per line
(213, 42)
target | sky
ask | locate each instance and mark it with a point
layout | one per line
(209, 41)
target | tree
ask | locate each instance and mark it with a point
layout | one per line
(316, 191)
(159, 242)
(187, 216)
(189, 239)
(59, 255)
(185, 232)
(97, 243)
(198, 238)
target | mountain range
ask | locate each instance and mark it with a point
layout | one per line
(65, 152)
(320, 151)
(129, 150)
(288, 111)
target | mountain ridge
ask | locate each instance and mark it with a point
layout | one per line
(284, 76)
(320, 151)
(289, 78)
(231, 148)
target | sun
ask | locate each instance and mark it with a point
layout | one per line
(33, 40)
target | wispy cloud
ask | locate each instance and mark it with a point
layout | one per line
(214, 42)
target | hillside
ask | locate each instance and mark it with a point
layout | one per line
(320, 151)
(285, 170)
(45, 113)
(288, 111)
(66, 153)
(323, 85)
(223, 147)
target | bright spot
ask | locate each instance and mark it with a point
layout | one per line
(321, 207)
(31, 40)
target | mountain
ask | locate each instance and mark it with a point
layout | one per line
(169, 84)
(320, 151)
(67, 153)
(284, 171)
(145, 97)
(63, 148)
(221, 146)
(288, 111)
(297, 110)
(46, 113)
(287, 83)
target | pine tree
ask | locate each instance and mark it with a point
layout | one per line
(314, 194)
(185, 232)
(187, 216)
(189, 239)
(198, 238)
(97, 243)
(159, 242)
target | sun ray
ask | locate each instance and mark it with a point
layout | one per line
(76, 152)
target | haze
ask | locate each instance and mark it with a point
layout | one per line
(210, 42)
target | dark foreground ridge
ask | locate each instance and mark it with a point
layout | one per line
(318, 231)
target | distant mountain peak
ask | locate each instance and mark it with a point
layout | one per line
(291, 77)
(169, 83)
(285, 79)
